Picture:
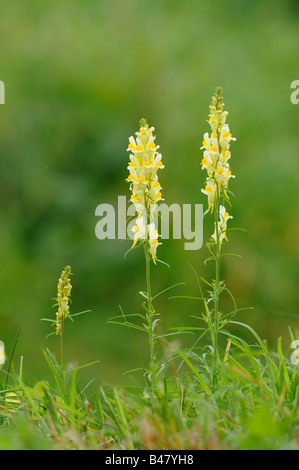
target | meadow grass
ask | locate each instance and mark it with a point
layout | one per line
(254, 404)
(222, 392)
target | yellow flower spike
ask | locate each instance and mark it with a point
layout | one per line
(145, 186)
(217, 153)
(63, 294)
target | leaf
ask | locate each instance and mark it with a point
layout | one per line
(129, 325)
(82, 367)
(162, 262)
(261, 343)
(186, 297)
(80, 313)
(197, 374)
(143, 294)
(167, 289)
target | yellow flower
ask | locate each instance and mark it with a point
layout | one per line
(222, 225)
(207, 163)
(225, 137)
(210, 191)
(139, 230)
(153, 240)
(145, 161)
(223, 174)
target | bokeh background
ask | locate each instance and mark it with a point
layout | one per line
(79, 76)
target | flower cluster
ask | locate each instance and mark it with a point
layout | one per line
(63, 294)
(215, 160)
(145, 161)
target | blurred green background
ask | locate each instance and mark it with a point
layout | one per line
(79, 76)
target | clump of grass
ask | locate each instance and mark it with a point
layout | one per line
(240, 396)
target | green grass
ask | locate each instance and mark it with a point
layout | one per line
(253, 406)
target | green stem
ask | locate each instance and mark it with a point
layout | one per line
(61, 344)
(217, 281)
(150, 314)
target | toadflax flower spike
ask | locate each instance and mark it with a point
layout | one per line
(145, 161)
(216, 155)
(216, 151)
(63, 296)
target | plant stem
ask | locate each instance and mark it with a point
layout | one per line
(217, 271)
(216, 293)
(150, 313)
(61, 344)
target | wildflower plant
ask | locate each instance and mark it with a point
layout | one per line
(64, 288)
(145, 161)
(216, 162)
